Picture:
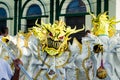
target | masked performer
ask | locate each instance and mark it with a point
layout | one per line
(54, 59)
(103, 28)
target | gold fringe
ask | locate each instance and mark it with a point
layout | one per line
(83, 63)
(18, 45)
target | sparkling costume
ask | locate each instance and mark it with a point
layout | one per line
(47, 54)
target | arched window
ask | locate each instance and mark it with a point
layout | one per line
(33, 11)
(3, 17)
(76, 6)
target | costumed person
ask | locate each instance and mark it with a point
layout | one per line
(53, 58)
(27, 44)
(5, 36)
(114, 49)
(18, 48)
(6, 72)
(3, 52)
(103, 28)
(86, 61)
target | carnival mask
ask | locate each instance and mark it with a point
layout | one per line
(53, 37)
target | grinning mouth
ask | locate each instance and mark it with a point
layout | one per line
(54, 44)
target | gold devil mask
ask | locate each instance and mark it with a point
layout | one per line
(53, 37)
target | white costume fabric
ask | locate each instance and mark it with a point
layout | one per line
(5, 70)
(4, 53)
(111, 61)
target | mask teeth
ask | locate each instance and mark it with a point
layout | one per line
(53, 44)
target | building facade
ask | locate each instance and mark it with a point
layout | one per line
(22, 14)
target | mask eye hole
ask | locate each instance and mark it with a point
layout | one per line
(61, 37)
(50, 34)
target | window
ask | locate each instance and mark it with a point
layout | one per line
(33, 11)
(3, 17)
(76, 6)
